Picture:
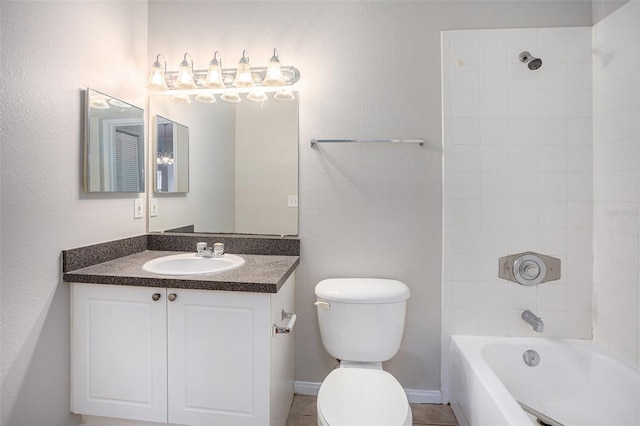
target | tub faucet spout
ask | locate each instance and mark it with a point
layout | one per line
(533, 320)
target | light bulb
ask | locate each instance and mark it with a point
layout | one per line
(230, 97)
(257, 96)
(206, 98)
(284, 95)
(156, 79)
(214, 74)
(181, 99)
(99, 103)
(243, 73)
(185, 75)
(273, 76)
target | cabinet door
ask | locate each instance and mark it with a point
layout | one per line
(118, 353)
(218, 358)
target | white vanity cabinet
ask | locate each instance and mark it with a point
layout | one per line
(191, 357)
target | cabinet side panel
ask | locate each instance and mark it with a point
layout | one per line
(282, 355)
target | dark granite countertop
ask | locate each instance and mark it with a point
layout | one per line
(260, 274)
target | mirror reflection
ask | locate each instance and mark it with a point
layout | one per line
(114, 145)
(243, 167)
(172, 156)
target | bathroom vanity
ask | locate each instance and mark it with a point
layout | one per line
(200, 349)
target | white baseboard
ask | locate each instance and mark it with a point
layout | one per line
(306, 388)
(413, 395)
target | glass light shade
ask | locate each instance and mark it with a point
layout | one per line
(165, 158)
(206, 98)
(243, 75)
(185, 78)
(257, 96)
(273, 76)
(181, 99)
(230, 97)
(214, 78)
(99, 103)
(284, 95)
(119, 104)
(156, 80)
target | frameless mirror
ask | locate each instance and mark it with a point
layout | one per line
(243, 166)
(172, 156)
(114, 145)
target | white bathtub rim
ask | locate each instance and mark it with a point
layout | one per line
(471, 353)
(500, 395)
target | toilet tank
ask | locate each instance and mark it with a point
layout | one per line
(361, 319)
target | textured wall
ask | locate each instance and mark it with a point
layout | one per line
(50, 52)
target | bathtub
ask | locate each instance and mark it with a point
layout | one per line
(576, 383)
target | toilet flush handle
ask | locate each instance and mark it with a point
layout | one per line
(323, 305)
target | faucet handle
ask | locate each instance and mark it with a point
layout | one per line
(202, 246)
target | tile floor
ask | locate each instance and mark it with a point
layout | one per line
(303, 413)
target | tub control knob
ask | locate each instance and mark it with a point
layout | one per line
(529, 269)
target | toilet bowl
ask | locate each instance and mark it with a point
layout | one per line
(361, 324)
(359, 396)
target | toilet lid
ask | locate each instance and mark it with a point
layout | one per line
(357, 396)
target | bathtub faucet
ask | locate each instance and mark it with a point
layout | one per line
(534, 320)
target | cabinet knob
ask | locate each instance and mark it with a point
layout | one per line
(172, 297)
(156, 297)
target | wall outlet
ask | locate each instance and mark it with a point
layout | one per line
(138, 208)
(153, 208)
(292, 201)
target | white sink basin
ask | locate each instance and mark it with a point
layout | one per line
(190, 264)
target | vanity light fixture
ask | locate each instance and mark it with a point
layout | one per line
(99, 101)
(156, 79)
(230, 84)
(181, 99)
(257, 96)
(185, 74)
(284, 95)
(214, 79)
(274, 72)
(232, 97)
(164, 157)
(205, 98)
(244, 78)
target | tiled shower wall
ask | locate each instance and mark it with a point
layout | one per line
(616, 89)
(518, 176)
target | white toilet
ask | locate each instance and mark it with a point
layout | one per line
(361, 324)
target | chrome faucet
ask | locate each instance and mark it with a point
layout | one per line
(203, 250)
(533, 320)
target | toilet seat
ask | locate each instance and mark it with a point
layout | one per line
(355, 396)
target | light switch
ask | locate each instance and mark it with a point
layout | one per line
(153, 208)
(292, 201)
(138, 208)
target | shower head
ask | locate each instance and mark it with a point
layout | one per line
(532, 63)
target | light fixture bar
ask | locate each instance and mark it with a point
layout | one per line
(290, 75)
